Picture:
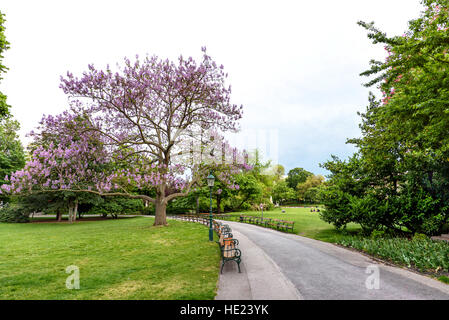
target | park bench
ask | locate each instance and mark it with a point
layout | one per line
(228, 248)
(227, 240)
(224, 230)
(222, 216)
(265, 222)
(216, 226)
(273, 223)
(279, 224)
(262, 221)
(285, 225)
(230, 253)
(251, 219)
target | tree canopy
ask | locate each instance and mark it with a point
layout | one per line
(297, 175)
(4, 45)
(400, 176)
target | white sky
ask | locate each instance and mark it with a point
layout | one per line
(294, 65)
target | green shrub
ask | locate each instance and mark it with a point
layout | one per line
(13, 214)
(116, 206)
(150, 210)
(421, 252)
(444, 279)
(180, 205)
(376, 234)
(419, 236)
(338, 209)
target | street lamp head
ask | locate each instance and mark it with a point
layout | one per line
(210, 180)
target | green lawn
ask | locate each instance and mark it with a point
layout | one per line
(307, 223)
(118, 259)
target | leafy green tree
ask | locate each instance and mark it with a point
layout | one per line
(283, 193)
(297, 175)
(250, 190)
(257, 186)
(312, 195)
(4, 45)
(345, 182)
(115, 206)
(12, 156)
(221, 193)
(308, 190)
(399, 179)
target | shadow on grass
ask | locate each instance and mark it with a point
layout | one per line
(84, 219)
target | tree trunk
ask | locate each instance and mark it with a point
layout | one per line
(70, 213)
(75, 210)
(160, 218)
(69, 218)
(58, 215)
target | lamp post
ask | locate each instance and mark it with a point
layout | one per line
(210, 182)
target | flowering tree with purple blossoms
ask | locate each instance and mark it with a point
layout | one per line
(61, 158)
(145, 126)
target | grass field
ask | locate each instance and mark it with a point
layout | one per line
(118, 259)
(127, 258)
(307, 223)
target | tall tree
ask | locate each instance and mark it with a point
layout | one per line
(4, 45)
(12, 156)
(303, 189)
(145, 119)
(401, 171)
(297, 175)
(283, 193)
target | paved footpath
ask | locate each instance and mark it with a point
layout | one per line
(277, 265)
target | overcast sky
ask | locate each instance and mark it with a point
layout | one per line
(293, 65)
